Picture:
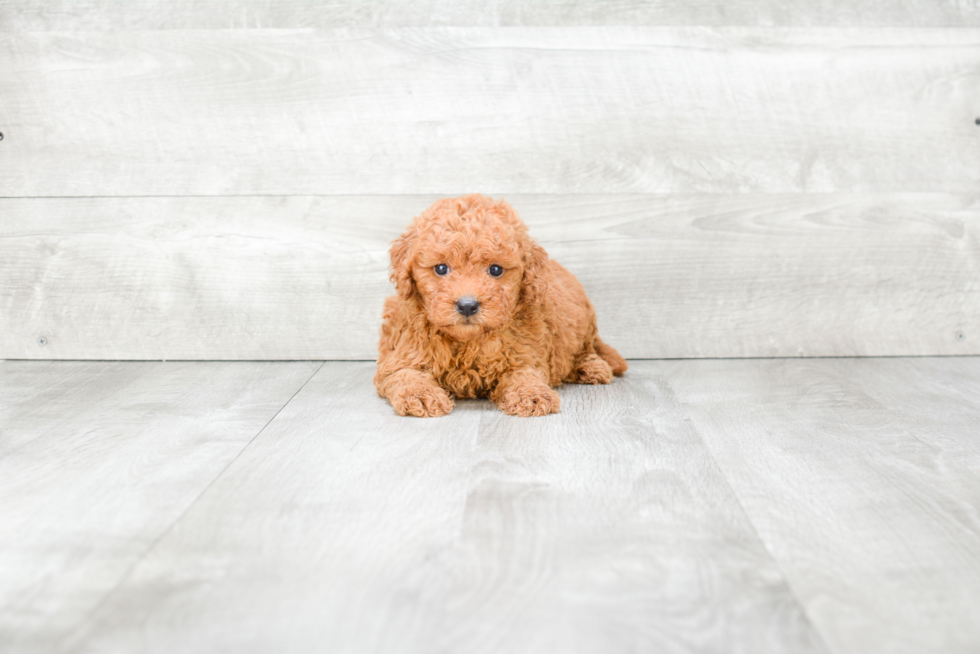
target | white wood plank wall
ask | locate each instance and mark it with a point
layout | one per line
(30, 15)
(671, 276)
(172, 188)
(498, 110)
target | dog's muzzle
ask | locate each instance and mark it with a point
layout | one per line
(467, 306)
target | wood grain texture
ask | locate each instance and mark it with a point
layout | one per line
(671, 276)
(792, 506)
(24, 15)
(940, 400)
(345, 528)
(118, 451)
(47, 397)
(606, 528)
(515, 110)
(861, 477)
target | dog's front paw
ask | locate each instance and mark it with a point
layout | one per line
(528, 400)
(422, 400)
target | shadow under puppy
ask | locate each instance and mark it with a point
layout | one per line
(481, 311)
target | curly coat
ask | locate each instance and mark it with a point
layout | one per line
(534, 327)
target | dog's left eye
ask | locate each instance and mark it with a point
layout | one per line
(441, 269)
(495, 271)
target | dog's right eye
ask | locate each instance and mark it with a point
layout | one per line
(441, 269)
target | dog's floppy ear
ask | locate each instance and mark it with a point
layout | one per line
(400, 272)
(537, 274)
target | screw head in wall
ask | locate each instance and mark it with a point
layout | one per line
(960, 336)
(1, 136)
(42, 341)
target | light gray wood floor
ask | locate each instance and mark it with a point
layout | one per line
(780, 505)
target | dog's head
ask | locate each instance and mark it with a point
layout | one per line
(470, 265)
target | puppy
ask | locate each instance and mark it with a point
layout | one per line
(481, 311)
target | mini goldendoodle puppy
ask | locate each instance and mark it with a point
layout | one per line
(481, 311)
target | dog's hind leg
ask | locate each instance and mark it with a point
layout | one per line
(611, 356)
(590, 369)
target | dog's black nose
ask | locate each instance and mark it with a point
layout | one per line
(467, 305)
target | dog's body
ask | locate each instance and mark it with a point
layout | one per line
(482, 312)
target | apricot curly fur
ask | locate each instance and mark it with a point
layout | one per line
(535, 328)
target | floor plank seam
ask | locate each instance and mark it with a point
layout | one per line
(153, 521)
(814, 630)
(73, 634)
